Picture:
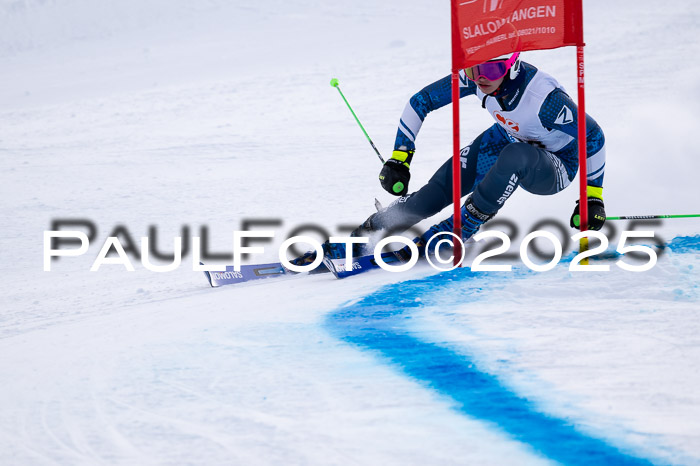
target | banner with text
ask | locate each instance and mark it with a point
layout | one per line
(489, 28)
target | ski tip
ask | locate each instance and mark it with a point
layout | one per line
(208, 275)
(328, 262)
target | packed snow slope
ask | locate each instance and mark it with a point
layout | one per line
(183, 118)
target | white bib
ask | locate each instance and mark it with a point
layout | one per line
(523, 122)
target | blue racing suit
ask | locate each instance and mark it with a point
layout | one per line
(533, 144)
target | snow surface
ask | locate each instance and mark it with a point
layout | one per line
(172, 113)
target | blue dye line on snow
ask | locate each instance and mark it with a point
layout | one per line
(684, 244)
(376, 323)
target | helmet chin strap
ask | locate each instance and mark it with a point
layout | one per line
(500, 89)
(508, 85)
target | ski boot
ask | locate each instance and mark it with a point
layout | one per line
(332, 250)
(337, 250)
(305, 259)
(472, 219)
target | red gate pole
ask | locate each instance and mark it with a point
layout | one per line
(582, 169)
(456, 166)
(456, 170)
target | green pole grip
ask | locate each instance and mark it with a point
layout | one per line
(650, 217)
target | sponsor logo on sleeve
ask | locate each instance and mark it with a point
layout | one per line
(565, 116)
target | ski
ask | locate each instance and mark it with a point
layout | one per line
(254, 272)
(359, 265)
(249, 273)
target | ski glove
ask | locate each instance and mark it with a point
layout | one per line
(596, 210)
(395, 173)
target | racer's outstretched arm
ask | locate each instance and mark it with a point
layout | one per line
(431, 97)
(559, 112)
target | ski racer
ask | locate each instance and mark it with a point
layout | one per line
(532, 144)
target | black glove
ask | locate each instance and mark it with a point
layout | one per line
(596, 214)
(395, 173)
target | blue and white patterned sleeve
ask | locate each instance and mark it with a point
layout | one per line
(560, 113)
(432, 97)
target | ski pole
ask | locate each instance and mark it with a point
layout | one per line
(334, 83)
(650, 217)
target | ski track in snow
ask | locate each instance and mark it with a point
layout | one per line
(179, 114)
